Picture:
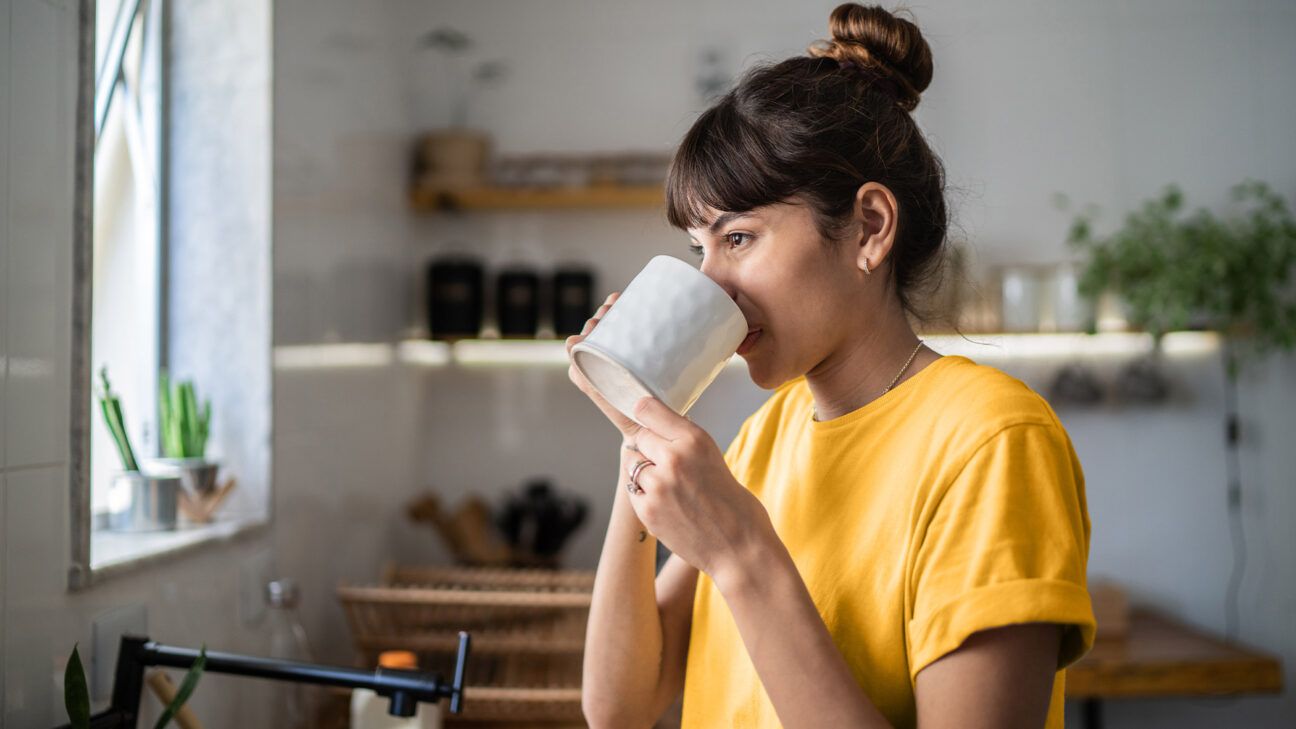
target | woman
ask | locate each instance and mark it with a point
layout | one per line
(895, 538)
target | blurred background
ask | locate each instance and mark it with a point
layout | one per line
(352, 236)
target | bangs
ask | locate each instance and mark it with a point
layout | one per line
(722, 164)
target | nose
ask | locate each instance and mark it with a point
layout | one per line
(716, 272)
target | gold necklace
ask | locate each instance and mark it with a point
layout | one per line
(894, 380)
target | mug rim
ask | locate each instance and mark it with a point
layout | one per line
(597, 351)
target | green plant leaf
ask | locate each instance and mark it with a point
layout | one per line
(186, 688)
(116, 422)
(1175, 269)
(76, 696)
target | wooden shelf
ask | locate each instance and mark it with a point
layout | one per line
(557, 198)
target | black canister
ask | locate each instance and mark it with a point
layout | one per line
(517, 302)
(455, 298)
(573, 300)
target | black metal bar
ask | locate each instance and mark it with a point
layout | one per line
(405, 689)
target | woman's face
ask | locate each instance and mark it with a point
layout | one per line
(801, 296)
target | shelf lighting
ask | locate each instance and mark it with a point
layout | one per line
(553, 352)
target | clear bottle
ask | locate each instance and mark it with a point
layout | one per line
(369, 710)
(296, 704)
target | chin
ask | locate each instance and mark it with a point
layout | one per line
(764, 378)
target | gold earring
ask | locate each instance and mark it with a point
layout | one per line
(866, 268)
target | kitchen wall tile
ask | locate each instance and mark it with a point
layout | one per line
(36, 558)
(40, 223)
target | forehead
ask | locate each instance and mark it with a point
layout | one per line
(713, 220)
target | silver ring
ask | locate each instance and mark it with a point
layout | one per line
(634, 473)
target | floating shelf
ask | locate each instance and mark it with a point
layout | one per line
(425, 199)
(990, 348)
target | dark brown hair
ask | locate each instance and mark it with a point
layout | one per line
(819, 126)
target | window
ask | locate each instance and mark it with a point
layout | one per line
(162, 276)
(126, 272)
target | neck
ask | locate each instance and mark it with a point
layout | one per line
(863, 366)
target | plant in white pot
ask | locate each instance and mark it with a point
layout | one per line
(455, 156)
(137, 501)
(184, 428)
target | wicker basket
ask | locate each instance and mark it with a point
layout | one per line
(528, 634)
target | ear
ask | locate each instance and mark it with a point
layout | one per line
(877, 214)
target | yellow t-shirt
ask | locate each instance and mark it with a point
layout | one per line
(951, 504)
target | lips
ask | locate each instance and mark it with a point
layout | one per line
(749, 341)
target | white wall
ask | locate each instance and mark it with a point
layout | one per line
(1105, 101)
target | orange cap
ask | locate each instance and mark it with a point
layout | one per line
(397, 659)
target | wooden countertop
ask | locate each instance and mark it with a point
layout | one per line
(1162, 657)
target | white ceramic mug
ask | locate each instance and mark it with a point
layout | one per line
(667, 335)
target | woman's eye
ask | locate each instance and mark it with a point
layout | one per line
(733, 239)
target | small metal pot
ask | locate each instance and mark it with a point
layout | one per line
(140, 502)
(197, 475)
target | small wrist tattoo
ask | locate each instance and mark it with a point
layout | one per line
(643, 534)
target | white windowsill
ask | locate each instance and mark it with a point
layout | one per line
(113, 553)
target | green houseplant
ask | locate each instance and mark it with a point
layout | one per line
(1234, 273)
(1176, 269)
(138, 501)
(115, 419)
(184, 428)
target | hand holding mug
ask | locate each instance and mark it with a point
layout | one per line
(687, 496)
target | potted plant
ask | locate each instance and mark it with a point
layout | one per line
(1175, 270)
(137, 501)
(1235, 274)
(455, 156)
(184, 428)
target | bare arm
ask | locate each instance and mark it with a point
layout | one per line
(997, 678)
(636, 641)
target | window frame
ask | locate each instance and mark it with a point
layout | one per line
(98, 88)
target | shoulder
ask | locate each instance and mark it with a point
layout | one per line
(974, 402)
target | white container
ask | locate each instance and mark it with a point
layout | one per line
(369, 710)
(668, 335)
(1069, 310)
(1022, 299)
(142, 502)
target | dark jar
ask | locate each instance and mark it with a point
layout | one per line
(455, 298)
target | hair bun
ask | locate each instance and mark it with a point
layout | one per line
(871, 37)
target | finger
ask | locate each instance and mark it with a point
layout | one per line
(653, 447)
(659, 418)
(593, 321)
(647, 480)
